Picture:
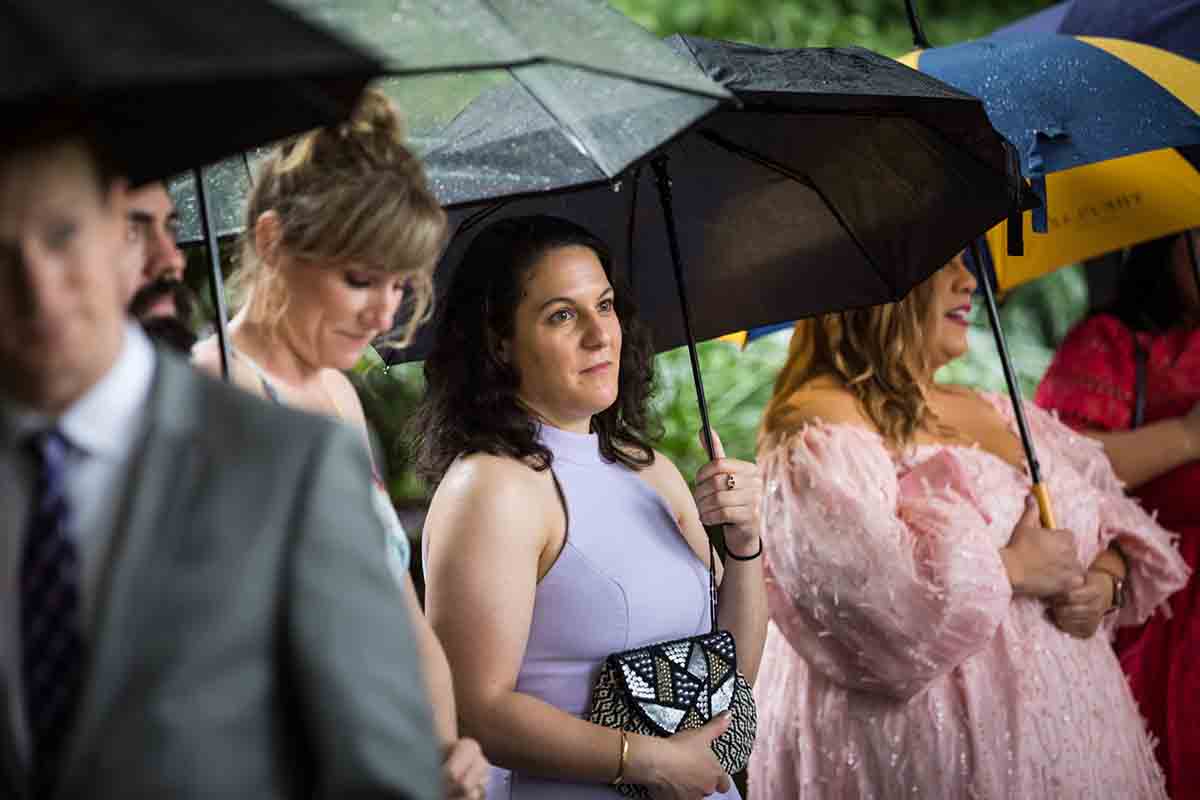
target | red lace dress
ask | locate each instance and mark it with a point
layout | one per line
(1091, 383)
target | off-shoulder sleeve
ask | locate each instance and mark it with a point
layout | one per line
(1091, 380)
(881, 587)
(1156, 569)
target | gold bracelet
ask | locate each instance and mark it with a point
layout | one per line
(624, 755)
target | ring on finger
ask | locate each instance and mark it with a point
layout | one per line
(730, 483)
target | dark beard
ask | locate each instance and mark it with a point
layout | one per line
(154, 291)
(172, 330)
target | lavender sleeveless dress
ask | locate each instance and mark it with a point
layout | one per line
(625, 578)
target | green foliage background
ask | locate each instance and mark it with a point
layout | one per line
(879, 25)
(739, 382)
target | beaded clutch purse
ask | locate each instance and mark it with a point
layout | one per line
(668, 687)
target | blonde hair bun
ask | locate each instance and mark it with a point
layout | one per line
(373, 138)
(352, 193)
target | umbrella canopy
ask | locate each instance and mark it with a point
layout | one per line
(573, 57)
(173, 86)
(449, 36)
(1048, 20)
(1169, 24)
(166, 87)
(843, 180)
(1097, 122)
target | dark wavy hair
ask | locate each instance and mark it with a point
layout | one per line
(470, 403)
(1148, 298)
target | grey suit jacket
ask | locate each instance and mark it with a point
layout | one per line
(249, 641)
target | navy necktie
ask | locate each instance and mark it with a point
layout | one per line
(51, 643)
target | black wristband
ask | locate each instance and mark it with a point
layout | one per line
(751, 557)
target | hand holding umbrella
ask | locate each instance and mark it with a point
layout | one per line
(729, 493)
(1059, 128)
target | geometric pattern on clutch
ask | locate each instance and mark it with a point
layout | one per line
(663, 688)
(681, 684)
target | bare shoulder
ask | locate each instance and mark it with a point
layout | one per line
(343, 390)
(961, 392)
(664, 476)
(971, 400)
(827, 402)
(206, 356)
(482, 492)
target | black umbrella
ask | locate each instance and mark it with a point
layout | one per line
(844, 180)
(174, 86)
(171, 86)
(570, 56)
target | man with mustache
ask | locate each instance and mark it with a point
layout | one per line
(161, 301)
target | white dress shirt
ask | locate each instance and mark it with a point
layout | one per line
(103, 428)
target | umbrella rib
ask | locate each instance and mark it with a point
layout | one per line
(541, 57)
(804, 180)
(393, 71)
(479, 216)
(533, 61)
(565, 125)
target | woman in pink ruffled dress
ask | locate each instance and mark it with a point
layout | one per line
(928, 637)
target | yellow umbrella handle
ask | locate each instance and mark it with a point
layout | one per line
(1043, 500)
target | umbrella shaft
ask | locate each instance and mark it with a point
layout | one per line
(664, 195)
(216, 283)
(1010, 377)
(914, 22)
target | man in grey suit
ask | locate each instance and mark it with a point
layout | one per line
(196, 599)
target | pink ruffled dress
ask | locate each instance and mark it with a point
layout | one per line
(898, 663)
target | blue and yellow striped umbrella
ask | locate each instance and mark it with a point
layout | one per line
(1108, 131)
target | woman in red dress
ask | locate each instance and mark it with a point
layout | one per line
(1130, 377)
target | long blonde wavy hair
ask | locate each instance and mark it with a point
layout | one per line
(878, 353)
(353, 193)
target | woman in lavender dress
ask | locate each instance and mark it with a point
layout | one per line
(557, 535)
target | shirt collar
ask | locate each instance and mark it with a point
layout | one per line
(105, 420)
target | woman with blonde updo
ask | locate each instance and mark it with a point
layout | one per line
(340, 227)
(929, 637)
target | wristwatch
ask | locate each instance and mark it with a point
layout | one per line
(1118, 598)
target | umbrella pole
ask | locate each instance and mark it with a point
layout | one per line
(664, 195)
(216, 283)
(1014, 391)
(914, 22)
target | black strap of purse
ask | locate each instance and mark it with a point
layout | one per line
(1139, 390)
(712, 581)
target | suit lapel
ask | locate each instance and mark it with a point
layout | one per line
(160, 476)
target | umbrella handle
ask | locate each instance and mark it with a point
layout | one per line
(1045, 510)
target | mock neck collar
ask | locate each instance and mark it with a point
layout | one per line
(578, 448)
